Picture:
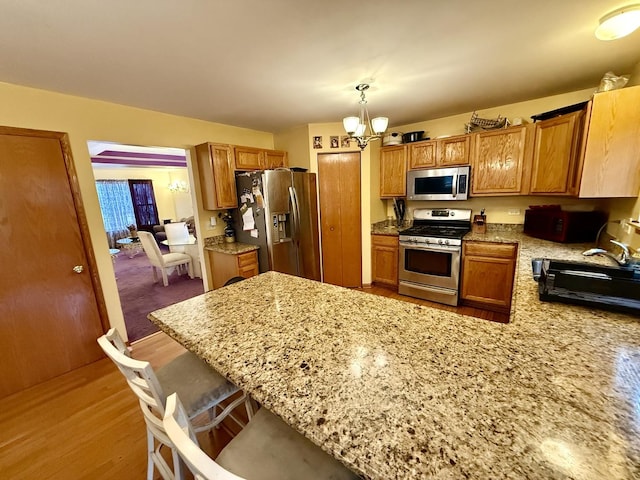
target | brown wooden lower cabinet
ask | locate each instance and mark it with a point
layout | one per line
(228, 265)
(384, 259)
(487, 275)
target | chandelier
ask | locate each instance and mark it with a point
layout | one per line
(356, 127)
(178, 186)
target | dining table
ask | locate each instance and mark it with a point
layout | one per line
(396, 390)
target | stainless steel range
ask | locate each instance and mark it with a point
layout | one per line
(430, 254)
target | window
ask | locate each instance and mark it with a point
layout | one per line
(124, 203)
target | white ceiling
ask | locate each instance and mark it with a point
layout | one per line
(273, 64)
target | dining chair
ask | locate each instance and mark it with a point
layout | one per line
(266, 449)
(162, 262)
(202, 388)
(177, 233)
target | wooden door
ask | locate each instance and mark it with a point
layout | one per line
(340, 220)
(50, 315)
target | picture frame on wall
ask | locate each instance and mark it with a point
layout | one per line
(334, 141)
(345, 141)
(317, 142)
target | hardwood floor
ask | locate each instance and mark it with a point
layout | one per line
(87, 424)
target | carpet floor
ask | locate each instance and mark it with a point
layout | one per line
(139, 295)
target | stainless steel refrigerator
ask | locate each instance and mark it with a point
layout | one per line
(278, 211)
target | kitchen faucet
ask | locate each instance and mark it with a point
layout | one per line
(623, 260)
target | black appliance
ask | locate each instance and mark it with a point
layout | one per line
(602, 286)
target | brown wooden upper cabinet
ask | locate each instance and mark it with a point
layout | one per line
(498, 161)
(443, 152)
(217, 178)
(249, 158)
(556, 155)
(422, 154)
(393, 171)
(275, 159)
(611, 165)
(454, 150)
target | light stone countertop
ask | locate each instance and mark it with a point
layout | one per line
(234, 248)
(400, 391)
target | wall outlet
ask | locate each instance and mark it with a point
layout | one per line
(212, 221)
(514, 211)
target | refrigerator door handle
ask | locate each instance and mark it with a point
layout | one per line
(296, 210)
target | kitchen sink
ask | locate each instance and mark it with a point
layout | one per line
(610, 287)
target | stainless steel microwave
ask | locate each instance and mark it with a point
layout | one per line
(451, 183)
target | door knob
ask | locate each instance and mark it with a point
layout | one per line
(78, 269)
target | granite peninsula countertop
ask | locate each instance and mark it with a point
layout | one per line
(234, 248)
(400, 391)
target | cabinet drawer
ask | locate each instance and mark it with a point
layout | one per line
(384, 240)
(486, 249)
(248, 258)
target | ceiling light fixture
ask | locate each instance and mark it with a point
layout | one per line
(178, 186)
(356, 127)
(619, 23)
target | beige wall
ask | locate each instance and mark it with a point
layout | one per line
(295, 142)
(84, 119)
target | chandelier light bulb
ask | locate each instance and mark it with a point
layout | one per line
(360, 130)
(379, 125)
(350, 124)
(619, 23)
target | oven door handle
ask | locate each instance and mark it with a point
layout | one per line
(431, 288)
(431, 248)
(454, 187)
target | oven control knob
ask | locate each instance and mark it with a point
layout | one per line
(441, 242)
(446, 242)
(453, 214)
